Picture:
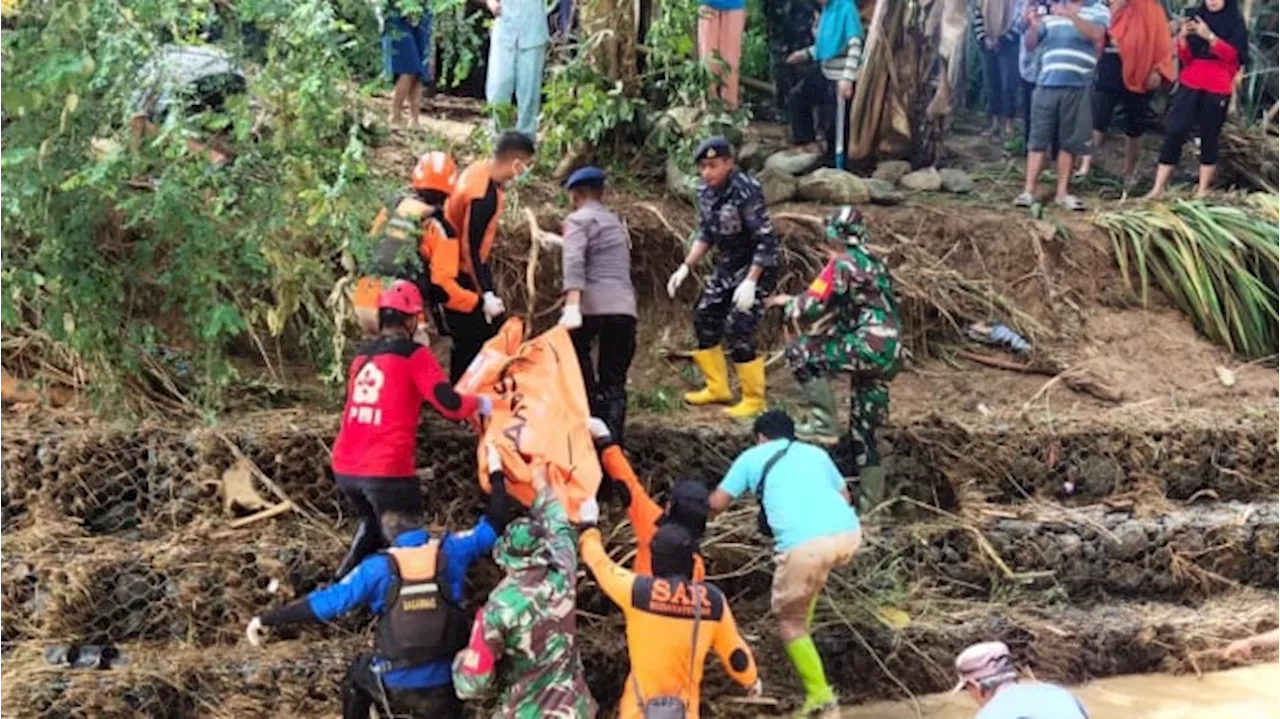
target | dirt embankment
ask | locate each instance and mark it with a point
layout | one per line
(119, 535)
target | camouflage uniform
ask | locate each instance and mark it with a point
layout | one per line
(526, 630)
(789, 26)
(736, 222)
(864, 341)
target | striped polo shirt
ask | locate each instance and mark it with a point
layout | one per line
(1067, 58)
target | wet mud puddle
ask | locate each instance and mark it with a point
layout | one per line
(1247, 692)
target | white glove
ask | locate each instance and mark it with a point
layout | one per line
(676, 279)
(492, 306)
(597, 428)
(745, 296)
(589, 512)
(571, 317)
(484, 405)
(492, 456)
(254, 632)
(756, 690)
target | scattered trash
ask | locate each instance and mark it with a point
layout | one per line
(273, 586)
(999, 335)
(1225, 376)
(84, 656)
(1069, 487)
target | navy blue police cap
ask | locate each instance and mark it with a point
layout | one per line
(587, 176)
(712, 147)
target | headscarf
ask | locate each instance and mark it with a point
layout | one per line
(838, 23)
(1228, 25)
(1140, 31)
(997, 17)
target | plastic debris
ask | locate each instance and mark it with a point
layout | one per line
(998, 335)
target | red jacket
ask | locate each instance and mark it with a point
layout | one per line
(386, 385)
(1216, 74)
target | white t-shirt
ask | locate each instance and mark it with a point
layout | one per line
(1033, 700)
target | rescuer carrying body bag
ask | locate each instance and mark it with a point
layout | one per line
(672, 706)
(419, 622)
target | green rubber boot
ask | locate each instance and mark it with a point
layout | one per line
(871, 481)
(821, 426)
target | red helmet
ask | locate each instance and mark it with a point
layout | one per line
(434, 171)
(402, 296)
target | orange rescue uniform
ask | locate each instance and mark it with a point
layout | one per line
(659, 614)
(643, 512)
(437, 246)
(476, 190)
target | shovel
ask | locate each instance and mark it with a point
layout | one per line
(841, 106)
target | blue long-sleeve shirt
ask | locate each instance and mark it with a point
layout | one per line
(367, 585)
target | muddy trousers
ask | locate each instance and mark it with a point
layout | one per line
(468, 332)
(825, 355)
(605, 378)
(716, 320)
(362, 691)
(371, 496)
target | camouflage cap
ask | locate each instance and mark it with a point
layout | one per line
(522, 545)
(847, 225)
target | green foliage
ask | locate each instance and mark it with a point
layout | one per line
(460, 36)
(582, 105)
(207, 260)
(1218, 263)
(755, 43)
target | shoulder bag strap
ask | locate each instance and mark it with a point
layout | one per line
(768, 467)
(697, 619)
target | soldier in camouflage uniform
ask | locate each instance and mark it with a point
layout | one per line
(856, 289)
(789, 27)
(732, 217)
(526, 630)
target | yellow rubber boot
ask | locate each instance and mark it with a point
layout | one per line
(716, 372)
(751, 378)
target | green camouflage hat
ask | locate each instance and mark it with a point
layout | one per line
(847, 225)
(523, 545)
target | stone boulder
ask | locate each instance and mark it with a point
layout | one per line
(835, 187)
(926, 179)
(891, 170)
(884, 192)
(957, 181)
(778, 186)
(681, 184)
(793, 163)
(751, 156)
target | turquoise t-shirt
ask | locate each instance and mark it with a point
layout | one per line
(802, 496)
(1034, 699)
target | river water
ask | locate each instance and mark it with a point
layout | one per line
(1251, 692)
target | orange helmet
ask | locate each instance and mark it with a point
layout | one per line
(434, 171)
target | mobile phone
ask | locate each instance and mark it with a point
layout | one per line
(1188, 13)
(1042, 7)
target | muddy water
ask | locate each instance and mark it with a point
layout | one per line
(1247, 692)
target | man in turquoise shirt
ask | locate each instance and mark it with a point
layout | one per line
(517, 57)
(814, 528)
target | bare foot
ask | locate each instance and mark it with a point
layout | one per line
(1154, 194)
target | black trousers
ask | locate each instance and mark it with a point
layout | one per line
(370, 498)
(469, 332)
(361, 691)
(614, 339)
(1187, 108)
(816, 95)
(1000, 74)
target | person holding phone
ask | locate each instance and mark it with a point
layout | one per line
(1136, 60)
(1213, 44)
